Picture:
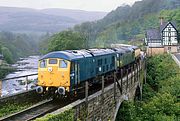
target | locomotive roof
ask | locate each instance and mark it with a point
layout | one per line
(119, 50)
(97, 52)
(133, 47)
(67, 55)
(127, 49)
(77, 54)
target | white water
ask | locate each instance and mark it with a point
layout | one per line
(28, 66)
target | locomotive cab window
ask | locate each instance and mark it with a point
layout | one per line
(42, 64)
(52, 61)
(63, 64)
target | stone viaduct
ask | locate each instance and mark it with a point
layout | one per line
(104, 104)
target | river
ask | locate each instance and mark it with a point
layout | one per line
(26, 66)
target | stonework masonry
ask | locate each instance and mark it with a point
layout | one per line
(104, 104)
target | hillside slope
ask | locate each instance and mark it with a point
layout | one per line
(47, 20)
(79, 15)
(126, 22)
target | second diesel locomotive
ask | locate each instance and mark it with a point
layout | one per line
(64, 72)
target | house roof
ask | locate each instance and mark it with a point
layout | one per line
(153, 34)
(165, 24)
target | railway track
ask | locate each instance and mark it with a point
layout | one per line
(36, 111)
(43, 108)
(47, 106)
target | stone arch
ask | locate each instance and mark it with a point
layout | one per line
(138, 93)
(123, 111)
(119, 115)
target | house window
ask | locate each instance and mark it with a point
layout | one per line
(169, 48)
(169, 29)
(178, 49)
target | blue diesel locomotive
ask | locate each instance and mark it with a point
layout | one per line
(65, 72)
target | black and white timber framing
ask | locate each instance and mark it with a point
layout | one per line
(166, 35)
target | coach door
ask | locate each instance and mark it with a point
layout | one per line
(77, 74)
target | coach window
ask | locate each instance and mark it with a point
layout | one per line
(105, 61)
(113, 60)
(43, 64)
(52, 61)
(63, 64)
(99, 62)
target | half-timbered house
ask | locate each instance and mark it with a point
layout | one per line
(163, 39)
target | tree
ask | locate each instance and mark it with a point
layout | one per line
(0, 48)
(66, 40)
(7, 55)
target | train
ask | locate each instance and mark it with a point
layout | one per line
(65, 72)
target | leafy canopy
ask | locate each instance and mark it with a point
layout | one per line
(66, 40)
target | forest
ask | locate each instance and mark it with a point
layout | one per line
(126, 23)
(14, 45)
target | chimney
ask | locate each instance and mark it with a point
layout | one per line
(161, 20)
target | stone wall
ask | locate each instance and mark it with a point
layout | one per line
(161, 50)
(154, 51)
(172, 49)
(104, 106)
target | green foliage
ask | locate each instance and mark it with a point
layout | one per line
(163, 104)
(160, 95)
(158, 69)
(66, 40)
(7, 55)
(0, 48)
(172, 15)
(127, 112)
(12, 108)
(172, 86)
(65, 116)
(4, 72)
(148, 92)
(43, 43)
(17, 45)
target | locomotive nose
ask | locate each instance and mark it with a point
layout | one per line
(61, 90)
(39, 89)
